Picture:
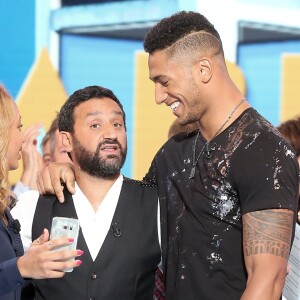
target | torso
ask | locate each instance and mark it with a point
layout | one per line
(204, 248)
(127, 261)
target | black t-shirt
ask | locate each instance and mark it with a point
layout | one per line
(252, 168)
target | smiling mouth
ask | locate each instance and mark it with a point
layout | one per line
(174, 105)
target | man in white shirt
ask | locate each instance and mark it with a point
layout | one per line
(118, 216)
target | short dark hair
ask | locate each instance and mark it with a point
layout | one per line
(66, 114)
(169, 30)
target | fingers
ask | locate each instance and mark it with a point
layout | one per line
(62, 172)
(59, 242)
(44, 182)
(51, 178)
(31, 135)
(68, 178)
(64, 255)
(40, 261)
(60, 260)
(33, 131)
(44, 237)
(55, 268)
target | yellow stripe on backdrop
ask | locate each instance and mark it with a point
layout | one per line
(152, 121)
(290, 94)
(40, 98)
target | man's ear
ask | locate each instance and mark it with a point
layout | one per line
(66, 140)
(204, 69)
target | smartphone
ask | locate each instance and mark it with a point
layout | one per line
(65, 227)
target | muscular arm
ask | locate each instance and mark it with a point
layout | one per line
(266, 242)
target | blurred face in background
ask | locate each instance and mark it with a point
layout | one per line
(47, 157)
(54, 151)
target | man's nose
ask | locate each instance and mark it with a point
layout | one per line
(160, 94)
(109, 132)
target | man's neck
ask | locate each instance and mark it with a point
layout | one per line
(95, 189)
(221, 116)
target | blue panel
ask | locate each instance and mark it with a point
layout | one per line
(114, 13)
(17, 50)
(261, 64)
(106, 62)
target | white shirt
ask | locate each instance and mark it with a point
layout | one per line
(90, 221)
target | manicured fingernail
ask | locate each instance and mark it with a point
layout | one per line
(79, 262)
(71, 240)
(80, 252)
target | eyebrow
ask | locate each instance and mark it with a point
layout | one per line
(158, 78)
(95, 113)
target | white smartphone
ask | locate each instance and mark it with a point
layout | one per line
(65, 227)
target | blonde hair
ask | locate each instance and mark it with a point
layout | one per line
(6, 119)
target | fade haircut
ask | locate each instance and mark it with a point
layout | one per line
(66, 114)
(185, 30)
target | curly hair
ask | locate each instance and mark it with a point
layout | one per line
(7, 115)
(174, 28)
(66, 114)
(291, 132)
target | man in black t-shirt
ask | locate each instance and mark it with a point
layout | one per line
(251, 168)
(228, 192)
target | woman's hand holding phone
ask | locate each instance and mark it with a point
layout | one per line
(40, 261)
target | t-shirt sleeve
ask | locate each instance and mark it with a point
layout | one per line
(151, 175)
(266, 175)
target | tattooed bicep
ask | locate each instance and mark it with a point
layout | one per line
(268, 231)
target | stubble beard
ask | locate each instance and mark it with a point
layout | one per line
(193, 113)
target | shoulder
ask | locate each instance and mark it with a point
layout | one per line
(254, 132)
(178, 144)
(26, 203)
(142, 192)
(139, 183)
(142, 189)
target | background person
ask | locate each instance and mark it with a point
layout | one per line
(53, 150)
(290, 130)
(31, 160)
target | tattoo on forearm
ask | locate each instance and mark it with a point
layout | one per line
(268, 231)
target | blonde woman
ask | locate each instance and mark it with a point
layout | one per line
(16, 268)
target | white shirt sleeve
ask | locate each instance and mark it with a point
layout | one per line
(20, 188)
(24, 212)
